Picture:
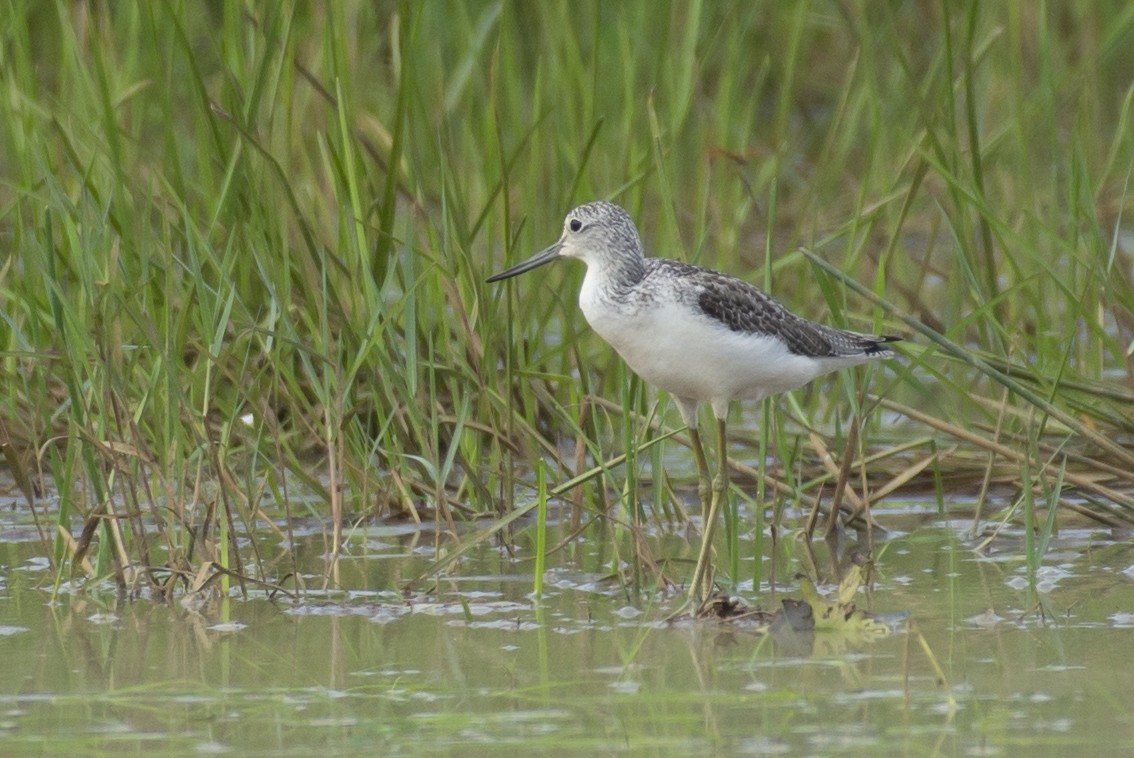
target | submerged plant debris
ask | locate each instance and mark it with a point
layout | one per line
(813, 613)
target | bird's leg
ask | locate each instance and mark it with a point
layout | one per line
(702, 472)
(702, 584)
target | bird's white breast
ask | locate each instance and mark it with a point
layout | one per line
(674, 346)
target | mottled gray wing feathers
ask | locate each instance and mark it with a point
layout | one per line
(744, 308)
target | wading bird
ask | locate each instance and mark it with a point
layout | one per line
(700, 335)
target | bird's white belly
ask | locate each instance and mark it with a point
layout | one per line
(693, 356)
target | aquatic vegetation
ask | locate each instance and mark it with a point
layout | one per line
(245, 252)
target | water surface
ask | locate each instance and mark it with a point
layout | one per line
(1033, 663)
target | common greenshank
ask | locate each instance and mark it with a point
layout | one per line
(700, 335)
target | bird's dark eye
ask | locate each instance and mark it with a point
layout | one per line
(574, 224)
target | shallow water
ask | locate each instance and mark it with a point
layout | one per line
(477, 665)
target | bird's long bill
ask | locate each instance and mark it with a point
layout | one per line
(540, 258)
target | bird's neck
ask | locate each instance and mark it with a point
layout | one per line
(619, 273)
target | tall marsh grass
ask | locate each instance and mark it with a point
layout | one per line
(244, 250)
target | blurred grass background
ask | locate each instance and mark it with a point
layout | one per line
(244, 245)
